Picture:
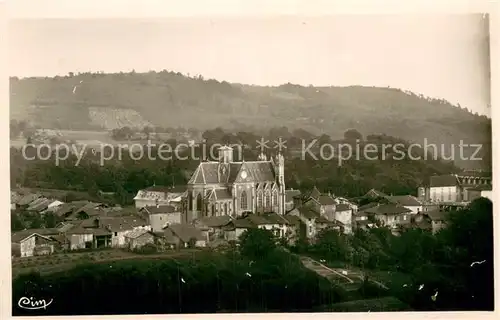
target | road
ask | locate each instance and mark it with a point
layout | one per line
(351, 281)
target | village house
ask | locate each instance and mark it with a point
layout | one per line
(160, 216)
(343, 214)
(362, 220)
(291, 196)
(34, 242)
(387, 213)
(236, 227)
(453, 187)
(26, 199)
(407, 201)
(484, 191)
(183, 236)
(138, 238)
(42, 203)
(374, 194)
(308, 216)
(158, 195)
(438, 219)
(212, 227)
(296, 228)
(120, 226)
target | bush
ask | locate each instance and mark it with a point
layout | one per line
(148, 248)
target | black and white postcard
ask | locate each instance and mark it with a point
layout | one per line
(248, 163)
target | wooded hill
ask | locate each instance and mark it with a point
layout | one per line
(91, 101)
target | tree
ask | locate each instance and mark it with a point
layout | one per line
(50, 220)
(147, 131)
(353, 134)
(257, 243)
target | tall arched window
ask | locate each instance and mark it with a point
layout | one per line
(243, 201)
(198, 202)
(275, 198)
(190, 200)
(259, 200)
(267, 202)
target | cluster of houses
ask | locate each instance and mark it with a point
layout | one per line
(225, 198)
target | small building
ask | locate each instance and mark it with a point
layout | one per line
(343, 214)
(236, 227)
(387, 213)
(484, 191)
(374, 194)
(138, 238)
(160, 216)
(28, 243)
(157, 195)
(308, 217)
(296, 228)
(212, 227)
(407, 201)
(290, 198)
(184, 236)
(438, 219)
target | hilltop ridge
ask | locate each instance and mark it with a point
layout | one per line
(91, 101)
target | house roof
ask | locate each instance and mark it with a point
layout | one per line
(258, 220)
(18, 236)
(342, 207)
(185, 232)
(242, 223)
(308, 213)
(388, 209)
(28, 198)
(160, 209)
(136, 233)
(116, 224)
(275, 218)
(293, 220)
(214, 222)
(322, 219)
(448, 180)
(290, 194)
(211, 172)
(367, 206)
(175, 189)
(482, 187)
(406, 200)
(437, 215)
(326, 200)
(314, 193)
(375, 194)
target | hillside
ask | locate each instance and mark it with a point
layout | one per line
(168, 99)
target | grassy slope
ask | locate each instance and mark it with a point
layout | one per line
(169, 99)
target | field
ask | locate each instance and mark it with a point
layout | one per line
(86, 137)
(63, 261)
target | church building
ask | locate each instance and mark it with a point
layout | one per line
(232, 188)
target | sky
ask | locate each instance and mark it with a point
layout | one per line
(442, 56)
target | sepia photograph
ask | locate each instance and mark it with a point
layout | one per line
(253, 164)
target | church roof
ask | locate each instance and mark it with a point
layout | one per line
(210, 172)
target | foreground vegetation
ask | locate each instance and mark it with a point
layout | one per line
(261, 276)
(440, 263)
